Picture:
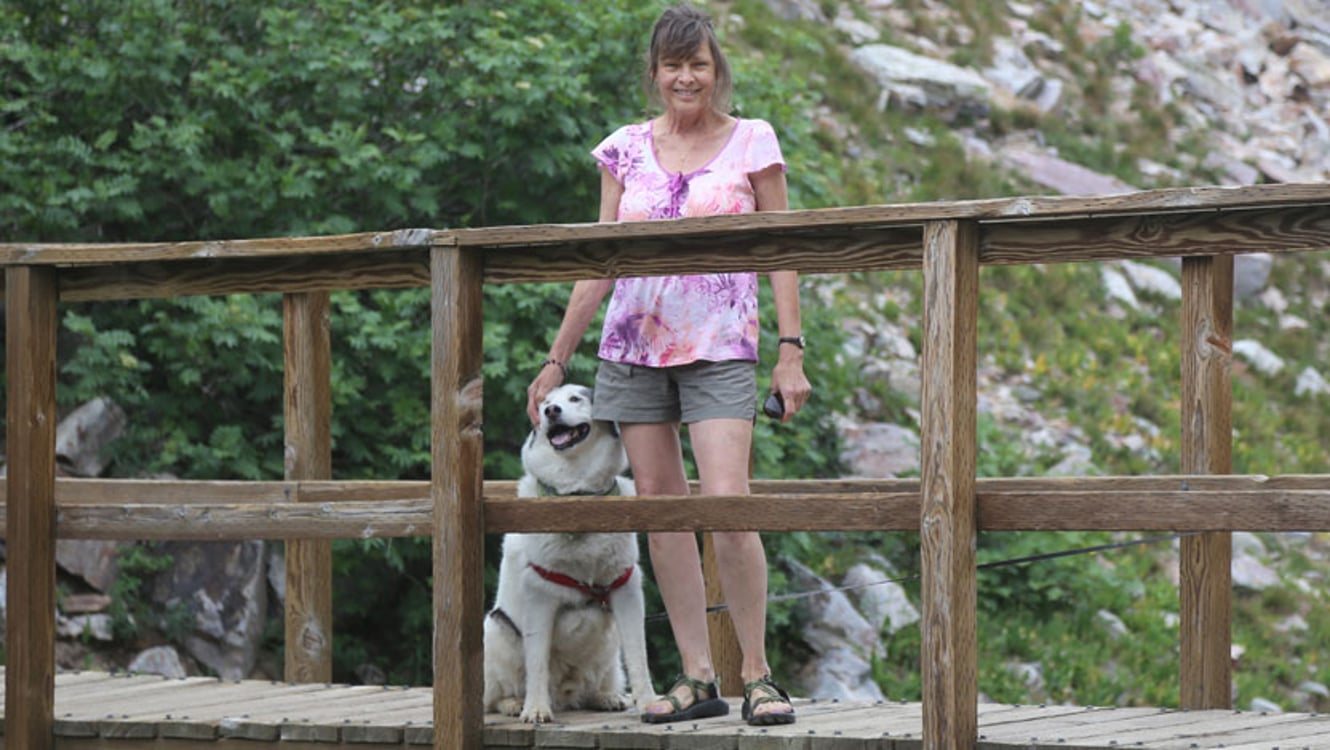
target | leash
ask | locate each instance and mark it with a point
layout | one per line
(1025, 560)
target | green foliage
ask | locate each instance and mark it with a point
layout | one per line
(131, 607)
(153, 120)
(201, 376)
(382, 595)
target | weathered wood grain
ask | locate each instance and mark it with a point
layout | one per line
(30, 356)
(1275, 230)
(1186, 221)
(948, 518)
(389, 269)
(1205, 580)
(1204, 200)
(827, 250)
(328, 706)
(307, 403)
(726, 656)
(1184, 727)
(998, 510)
(197, 712)
(456, 485)
(72, 491)
(237, 522)
(1205, 510)
(77, 254)
(222, 714)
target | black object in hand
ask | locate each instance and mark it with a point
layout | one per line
(774, 406)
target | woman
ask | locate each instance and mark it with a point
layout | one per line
(683, 349)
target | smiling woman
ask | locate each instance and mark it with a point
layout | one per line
(682, 350)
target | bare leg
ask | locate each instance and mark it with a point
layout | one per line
(721, 447)
(657, 459)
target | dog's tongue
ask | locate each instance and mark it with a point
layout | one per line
(561, 437)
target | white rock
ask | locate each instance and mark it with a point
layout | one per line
(1117, 629)
(941, 84)
(1251, 273)
(97, 627)
(1261, 359)
(883, 602)
(1117, 286)
(1311, 383)
(1265, 706)
(859, 32)
(162, 660)
(1152, 279)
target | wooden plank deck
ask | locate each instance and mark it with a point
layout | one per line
(99, 711)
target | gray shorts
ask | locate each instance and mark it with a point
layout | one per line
(687, 393)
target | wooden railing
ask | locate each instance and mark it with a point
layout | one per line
(948, 242)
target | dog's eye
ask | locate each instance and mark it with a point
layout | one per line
(576, 399)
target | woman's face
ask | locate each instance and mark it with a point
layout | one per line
(686, 85)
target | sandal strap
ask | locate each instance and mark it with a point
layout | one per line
(770, 692)
(700, 690)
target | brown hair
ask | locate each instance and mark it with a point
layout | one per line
(679, 31)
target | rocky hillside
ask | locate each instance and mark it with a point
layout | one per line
(1090, 98)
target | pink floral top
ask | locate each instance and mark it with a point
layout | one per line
(663, 321)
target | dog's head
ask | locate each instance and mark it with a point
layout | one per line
(569, 449)
(565, 417)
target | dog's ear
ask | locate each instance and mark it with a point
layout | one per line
(614, 428)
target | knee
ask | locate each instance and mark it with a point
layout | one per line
(738, 544)
(672, 543)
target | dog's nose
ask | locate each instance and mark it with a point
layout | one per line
(553, 410)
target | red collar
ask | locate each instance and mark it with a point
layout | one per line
(596, 593)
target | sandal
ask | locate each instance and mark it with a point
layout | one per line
(765, 690)
(706, 702)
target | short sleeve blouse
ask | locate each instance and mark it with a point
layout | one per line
(664, 321)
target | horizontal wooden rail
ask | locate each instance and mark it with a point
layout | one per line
(1208, 199)
(402, 509)
(133, 253)
(1150, 224)
(71, 491)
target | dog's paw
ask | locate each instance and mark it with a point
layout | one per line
(537, 714)
(509, 706)
(608, 702)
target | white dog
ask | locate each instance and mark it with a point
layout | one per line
(568, 616)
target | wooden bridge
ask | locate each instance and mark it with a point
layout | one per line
(124, 712)
(947, 242)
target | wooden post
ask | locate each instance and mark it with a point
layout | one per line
(456, 483)
(308, 455)
(30, 334)
(1207, 448)
(726, 657)
(948, 442)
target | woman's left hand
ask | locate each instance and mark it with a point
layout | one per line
(788, 379)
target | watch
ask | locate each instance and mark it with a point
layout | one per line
(796, 340)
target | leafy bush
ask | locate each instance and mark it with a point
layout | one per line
(162, 121)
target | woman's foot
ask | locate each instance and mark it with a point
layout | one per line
(686, 699)
(766, 703)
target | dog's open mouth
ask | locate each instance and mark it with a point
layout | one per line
(563, 436)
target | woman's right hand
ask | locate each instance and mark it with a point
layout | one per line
(549, 378)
